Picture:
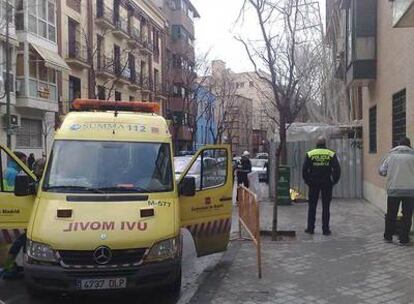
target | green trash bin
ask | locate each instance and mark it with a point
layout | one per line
(283, 186)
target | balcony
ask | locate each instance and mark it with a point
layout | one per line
(104, 17)
(183, 48)
(179, 17)
(77, 55)
(362, 56)
(147, 47)
(39, 95)
(146, 85)
(134, 37)
(123, 75)
(105, 68)
(134, 83)
(121, 29)
(160, 91)
(403, 13)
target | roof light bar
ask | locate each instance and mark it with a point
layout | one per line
(102, 105)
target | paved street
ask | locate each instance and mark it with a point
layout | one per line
(13, 292)
(353, 266)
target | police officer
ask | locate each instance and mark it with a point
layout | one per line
(321, 171)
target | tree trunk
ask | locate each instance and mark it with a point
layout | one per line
(283, 140)
(281, 158)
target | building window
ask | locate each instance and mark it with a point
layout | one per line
(74, 88)
(178, 32)
(29, 135)
(373, 130)
(117, 59)
(42, 80)
(118, 96)
(74, 4)
(131, 66)
(42, 19)
(156, 79)
(156, 39)
(131, 98)
(19, 15)
(399, 116)
(101, 93)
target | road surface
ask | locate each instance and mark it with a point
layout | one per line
(13, 292)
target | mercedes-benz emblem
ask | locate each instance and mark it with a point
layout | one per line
(102, 255)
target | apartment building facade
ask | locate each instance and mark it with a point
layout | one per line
(180, 76)
(35, 68)
(115, 51)
(377, 70)
(238, 123)
(248, 85)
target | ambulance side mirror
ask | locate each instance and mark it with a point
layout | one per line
(187, 186)
(24, 185)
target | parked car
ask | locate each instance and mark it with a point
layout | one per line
(185, 153)
(212, 170)
(262, 155)
(259, 166)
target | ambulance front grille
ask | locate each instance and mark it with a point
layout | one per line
(86, 257)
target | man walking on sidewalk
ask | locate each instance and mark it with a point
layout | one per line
(398, 167)
(321, 171)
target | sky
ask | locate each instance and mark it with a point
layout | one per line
(216, 28)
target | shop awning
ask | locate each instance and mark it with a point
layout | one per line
(52, 59)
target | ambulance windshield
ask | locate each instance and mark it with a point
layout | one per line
(109, 167)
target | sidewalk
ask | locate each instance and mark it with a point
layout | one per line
(352, 266)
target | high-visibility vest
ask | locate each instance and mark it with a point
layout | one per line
(321, 157)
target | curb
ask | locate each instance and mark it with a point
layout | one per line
(210, 280)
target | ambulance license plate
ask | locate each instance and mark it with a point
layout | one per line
(101, 284)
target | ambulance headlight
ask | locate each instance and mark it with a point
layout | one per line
(164, 250)
(40, 252)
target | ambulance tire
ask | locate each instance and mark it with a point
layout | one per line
(174, 288)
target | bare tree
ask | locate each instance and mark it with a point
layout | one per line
(288, 54)
(117, 66)
(48, 127)
(227, 119)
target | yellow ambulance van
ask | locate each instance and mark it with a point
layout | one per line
(107, 213)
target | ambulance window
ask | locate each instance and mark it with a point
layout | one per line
(109, 167)
(9, 169)
(214, 168)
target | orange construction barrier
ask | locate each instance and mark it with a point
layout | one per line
(249, 220)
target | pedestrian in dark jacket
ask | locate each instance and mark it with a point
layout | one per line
(243, 170)
(398, 167)
(30, 161)
(321, 171)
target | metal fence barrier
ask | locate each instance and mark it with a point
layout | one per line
(249, 220)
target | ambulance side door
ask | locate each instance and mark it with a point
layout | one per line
(14, 211)
(207, 215)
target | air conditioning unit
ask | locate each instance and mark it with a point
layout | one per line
(14, 121)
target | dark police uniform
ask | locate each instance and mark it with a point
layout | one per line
(321, 171)
(244, 168)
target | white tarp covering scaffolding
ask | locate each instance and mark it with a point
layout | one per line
(311, 131)
(302, 137)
